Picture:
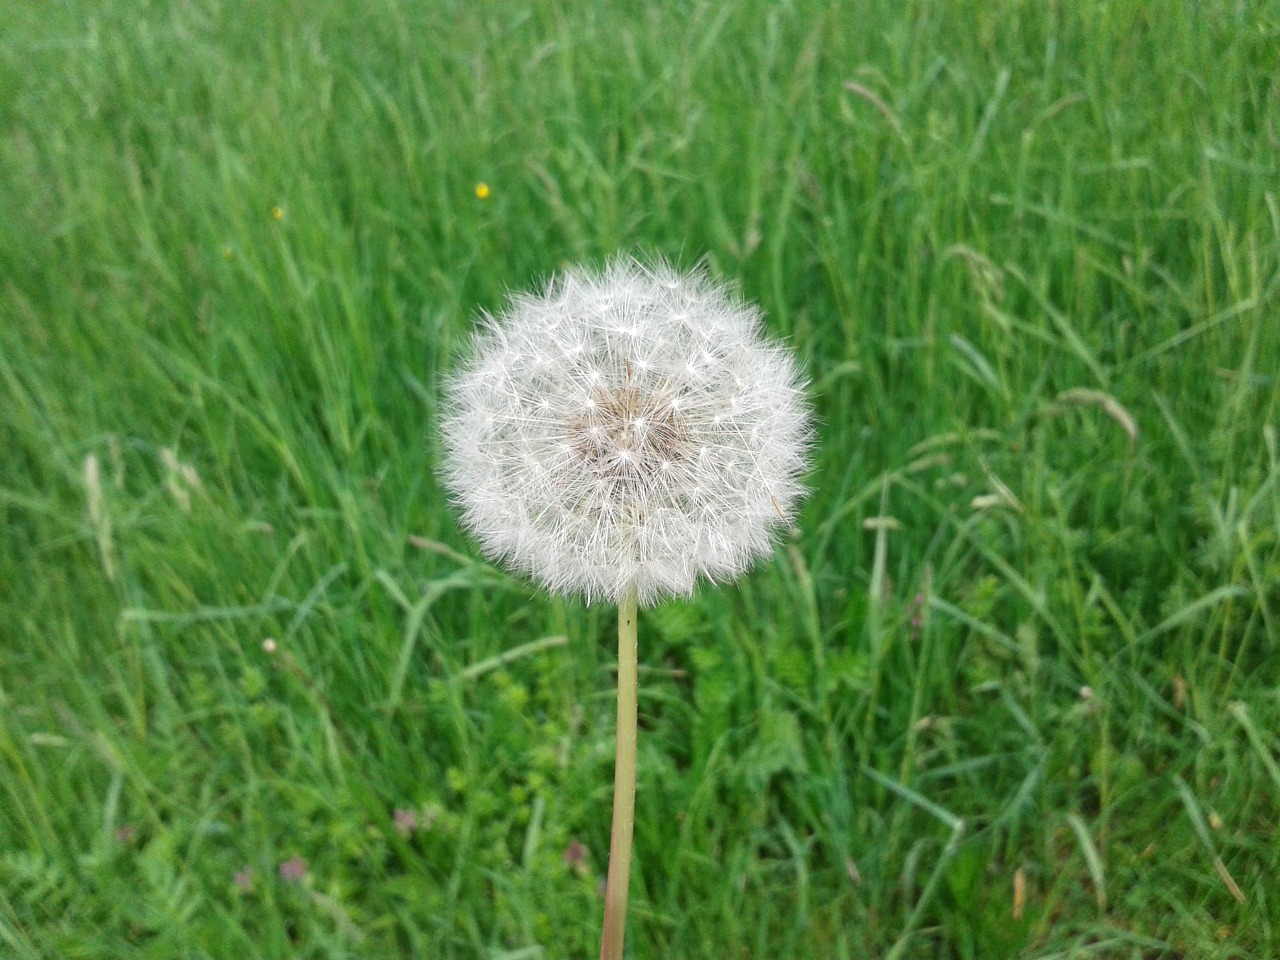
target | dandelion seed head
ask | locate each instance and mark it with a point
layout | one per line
(631, 429)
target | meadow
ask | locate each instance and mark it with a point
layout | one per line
(1011, 687)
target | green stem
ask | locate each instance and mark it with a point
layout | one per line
(624, 787)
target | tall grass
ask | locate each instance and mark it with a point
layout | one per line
(1009, 691)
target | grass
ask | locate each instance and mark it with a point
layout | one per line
(1009, 691)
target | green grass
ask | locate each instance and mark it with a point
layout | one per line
(997, 234)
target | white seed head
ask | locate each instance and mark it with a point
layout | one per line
(631, 429)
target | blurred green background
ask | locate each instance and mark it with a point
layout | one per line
(1010, 689)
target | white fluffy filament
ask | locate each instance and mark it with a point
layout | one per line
(631, 429)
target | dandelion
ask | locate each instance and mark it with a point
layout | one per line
(277, 213)
(482, 191)
(630, 432)
(625, 435)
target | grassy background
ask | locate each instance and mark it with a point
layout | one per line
(1029, 256)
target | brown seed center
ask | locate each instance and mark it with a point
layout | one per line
(629, 436)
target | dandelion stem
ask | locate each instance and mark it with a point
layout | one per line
(624, 786)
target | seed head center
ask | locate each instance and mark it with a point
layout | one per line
(628, 435)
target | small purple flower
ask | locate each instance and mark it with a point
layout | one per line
(406, 821)
(575, 852)
(243, 878)
(576, 857)
(293, 869)
(125, 833)
(917, 615)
